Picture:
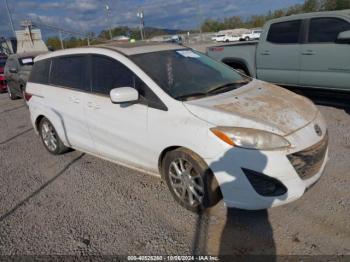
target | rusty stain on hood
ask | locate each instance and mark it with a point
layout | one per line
(271, 104)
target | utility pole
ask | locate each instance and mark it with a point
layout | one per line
(10, 18)
(142, 23)
(61, 40)
(108, 10)
(199, 12)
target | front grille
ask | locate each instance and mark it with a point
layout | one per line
(309, 161)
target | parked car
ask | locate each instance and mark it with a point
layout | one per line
(225, 38)
(308, 51)
(252, 35)
(3, 58)
(16, 72)
(219, 38)
(166, 109)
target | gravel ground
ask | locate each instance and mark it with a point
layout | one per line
(79, 204)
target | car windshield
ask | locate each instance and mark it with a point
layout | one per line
(186, 74)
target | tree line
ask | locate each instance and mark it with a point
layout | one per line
(212, 25)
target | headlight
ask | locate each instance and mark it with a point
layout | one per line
(250, 138)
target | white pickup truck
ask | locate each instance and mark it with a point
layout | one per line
(252, 35)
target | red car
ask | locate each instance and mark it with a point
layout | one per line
(3, 87)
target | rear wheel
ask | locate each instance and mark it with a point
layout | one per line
(50, 138)
(247, 38)
(190, 180)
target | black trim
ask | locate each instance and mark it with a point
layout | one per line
(265, 185)
(157, 103)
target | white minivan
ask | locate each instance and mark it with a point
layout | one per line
(167, 110)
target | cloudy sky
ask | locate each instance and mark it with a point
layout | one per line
(90, 15)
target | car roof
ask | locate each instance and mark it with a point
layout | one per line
(126, 49)
(26, 54)
(345, 12)
(140, 47)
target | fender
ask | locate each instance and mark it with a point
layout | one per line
(239, 63)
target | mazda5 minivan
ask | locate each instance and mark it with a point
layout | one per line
(207, 130)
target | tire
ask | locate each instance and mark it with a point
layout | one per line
(10, 93)
(227, 40)
(193, 177)
(50, 138)
(247, 38)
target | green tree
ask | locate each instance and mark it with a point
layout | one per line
(311, 6)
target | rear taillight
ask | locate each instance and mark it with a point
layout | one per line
(27, 96)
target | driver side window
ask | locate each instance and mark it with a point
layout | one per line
(326, 30)
(108, 73)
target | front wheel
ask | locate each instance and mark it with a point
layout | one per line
(10, 93)
(50, 138)
(190, 180)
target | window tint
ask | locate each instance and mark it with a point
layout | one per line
(108, 74)
(285, 32)
(40, 72)
(323, 30)
(69, 71)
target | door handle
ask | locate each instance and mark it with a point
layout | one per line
(266, 52)
(309, 52)
(74, 100)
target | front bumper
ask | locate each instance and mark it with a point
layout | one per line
(238, 191)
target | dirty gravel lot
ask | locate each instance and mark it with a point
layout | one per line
(79, 204)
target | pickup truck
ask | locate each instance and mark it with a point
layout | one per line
(253, 35)
(306, 51)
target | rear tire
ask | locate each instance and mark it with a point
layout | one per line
(50, 138)
(190, 180)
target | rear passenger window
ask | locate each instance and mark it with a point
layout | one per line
(326, 30)
(108, 73)
(70, 71)
(40, 72)
(285, 32)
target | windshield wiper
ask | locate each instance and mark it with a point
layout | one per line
(229, 86)
(187, 96)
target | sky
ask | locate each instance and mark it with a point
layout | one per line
(90, 15)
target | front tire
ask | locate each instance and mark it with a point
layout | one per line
(11, 95)
(190, 180)
(50, 138)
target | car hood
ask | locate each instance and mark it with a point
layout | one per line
(258, 105)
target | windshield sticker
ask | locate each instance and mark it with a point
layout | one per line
(188, 53)
(27, 61)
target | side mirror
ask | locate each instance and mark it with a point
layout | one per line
(13, 70)
(123, 94)
(343, 37)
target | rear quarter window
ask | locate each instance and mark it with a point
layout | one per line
(40, 72)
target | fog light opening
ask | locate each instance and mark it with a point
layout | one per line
(265, 185)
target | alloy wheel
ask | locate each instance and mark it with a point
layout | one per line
(186, 182)
(49, 136)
